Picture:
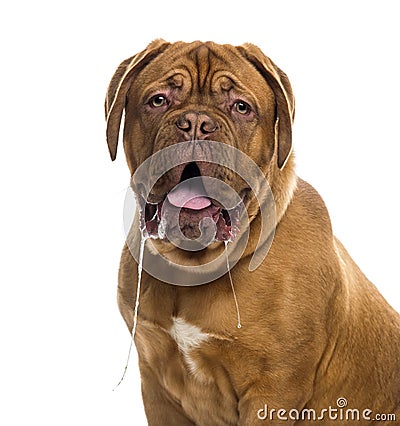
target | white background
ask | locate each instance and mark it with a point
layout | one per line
(63, 342)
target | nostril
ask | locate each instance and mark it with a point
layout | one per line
(208, 126)
(184, 124)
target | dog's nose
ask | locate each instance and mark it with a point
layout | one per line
(196, 125)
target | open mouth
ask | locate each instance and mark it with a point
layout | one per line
(188, 209)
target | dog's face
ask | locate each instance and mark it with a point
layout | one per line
(197, 93)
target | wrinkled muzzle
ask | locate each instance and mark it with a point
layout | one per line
(182, 197)
(199, 208)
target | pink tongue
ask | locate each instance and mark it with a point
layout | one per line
(189, 196)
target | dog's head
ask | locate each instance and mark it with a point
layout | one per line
(189, 96)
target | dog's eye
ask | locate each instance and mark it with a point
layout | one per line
(158, 101)
(242, 107)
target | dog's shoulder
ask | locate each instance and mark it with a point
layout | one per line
(307, 214)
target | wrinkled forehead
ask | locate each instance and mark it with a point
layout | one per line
(207, 66)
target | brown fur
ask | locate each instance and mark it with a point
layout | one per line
(314, 328)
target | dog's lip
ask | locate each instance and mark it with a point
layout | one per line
(155, 200)
(227, 221)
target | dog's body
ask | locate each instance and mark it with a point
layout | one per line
(314, 329)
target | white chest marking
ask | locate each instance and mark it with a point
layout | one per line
(187, 337)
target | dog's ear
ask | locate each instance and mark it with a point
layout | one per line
(285, 105)
(119, 86)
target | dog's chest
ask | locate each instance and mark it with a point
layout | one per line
(190, 363)
(188, 338)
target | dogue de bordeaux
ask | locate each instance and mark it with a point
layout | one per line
(318, 342)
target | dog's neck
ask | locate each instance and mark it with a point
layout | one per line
(283, 185)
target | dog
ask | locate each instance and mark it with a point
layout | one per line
(316, 339)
